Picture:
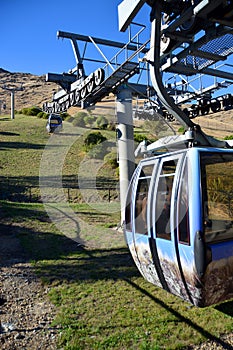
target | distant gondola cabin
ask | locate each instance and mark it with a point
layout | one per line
(54, 123)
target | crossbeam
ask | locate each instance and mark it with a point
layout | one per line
(64, 80)
(99, 41)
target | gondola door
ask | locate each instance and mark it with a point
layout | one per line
(163, 217)
(137, 230)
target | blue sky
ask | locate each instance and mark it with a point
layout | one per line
(28, 31)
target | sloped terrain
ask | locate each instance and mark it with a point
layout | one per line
(35, 90)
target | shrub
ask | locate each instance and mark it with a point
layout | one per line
(24, 111)
(112, 126)
(43, 115)
(181, 130)
(102, 122)
(70, 119)
(89, 120)
(230, 137)
(81, 114)
(64, 115)
(32, 111)
(93, 139)
(40, 115)
(140, 137)
(79, 119)
(111, 159)
(79, 122)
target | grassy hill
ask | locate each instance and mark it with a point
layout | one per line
(102, 301)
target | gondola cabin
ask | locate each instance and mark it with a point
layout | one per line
(54, 123)
(178, 223)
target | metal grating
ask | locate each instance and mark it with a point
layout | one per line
(216, 49)
(119, 76)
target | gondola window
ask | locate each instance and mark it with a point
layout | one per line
(141, 201)
(163, 200)
(128, 208)
(183, 208)
(217, 196)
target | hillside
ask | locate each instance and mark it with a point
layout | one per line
(36, 91)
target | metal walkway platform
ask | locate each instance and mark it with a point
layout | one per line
(118, 77)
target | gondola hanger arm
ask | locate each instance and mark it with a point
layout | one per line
(153, 57)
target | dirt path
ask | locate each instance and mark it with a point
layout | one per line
(26, 313)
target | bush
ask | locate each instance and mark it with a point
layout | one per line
(79, 119)
(79, 122)
(24, 111)
(81, 115)
(140, 137)
(93, 139)
(31, 111)
(111, 159)
(228, 137)
(181, 130)
(112, 126)
(102, 122)
(70, 119)
(43, 115)
(64, 115)
(40, 115)
(89, 120)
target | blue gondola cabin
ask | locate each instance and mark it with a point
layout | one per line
(178, 223)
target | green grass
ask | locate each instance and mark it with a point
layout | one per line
(22, 145)
(22, 142)
(102, 301)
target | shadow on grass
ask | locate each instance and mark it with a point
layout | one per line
(68, 181)
(20, 145)
(13, 182)
(73, 181)
(90, 266)
(20, 212)
(179, 316)
(5, 119)
(57, 257)
(7, 133)
(226, 308)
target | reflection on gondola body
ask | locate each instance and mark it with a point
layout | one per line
(178, 222)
